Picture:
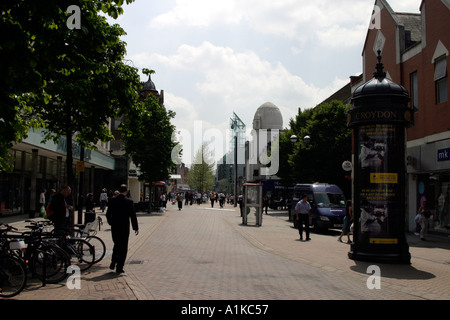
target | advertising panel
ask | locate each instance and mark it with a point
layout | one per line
(379, 195)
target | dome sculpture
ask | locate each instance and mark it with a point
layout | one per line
(268, 116)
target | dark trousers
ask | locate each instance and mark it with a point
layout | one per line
(120, 248)
(303, 218)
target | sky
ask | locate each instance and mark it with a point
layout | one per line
(216, 57)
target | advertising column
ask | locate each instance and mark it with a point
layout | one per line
(379, 117)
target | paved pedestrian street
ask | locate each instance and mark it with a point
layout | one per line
(202, 254)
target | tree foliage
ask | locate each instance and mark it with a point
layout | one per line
(147, 134)
(321, 159)
(66, 80)
(201, 175)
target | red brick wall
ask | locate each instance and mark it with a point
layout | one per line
(431, 118)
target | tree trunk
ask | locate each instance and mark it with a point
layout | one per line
(69, 161)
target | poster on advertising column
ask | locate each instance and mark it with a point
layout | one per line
(379, 190)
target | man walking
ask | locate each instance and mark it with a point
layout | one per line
(119, 214)
(302, 211)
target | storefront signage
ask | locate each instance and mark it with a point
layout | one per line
(379, 114)
(76, 149)
(443, 154)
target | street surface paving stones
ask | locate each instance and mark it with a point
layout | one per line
(204, 253)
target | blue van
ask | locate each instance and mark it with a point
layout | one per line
(327, 204)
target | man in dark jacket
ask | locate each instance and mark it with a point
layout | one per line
(61, 211)
(120, 212)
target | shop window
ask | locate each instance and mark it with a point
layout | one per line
(414, 91)
(440, 78)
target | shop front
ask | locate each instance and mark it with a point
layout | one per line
(429, 180)
(40, 167)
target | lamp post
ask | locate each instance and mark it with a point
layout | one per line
(379, 119)
(238, 127)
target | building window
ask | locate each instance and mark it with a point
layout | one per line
(440, 78)
(414, 91)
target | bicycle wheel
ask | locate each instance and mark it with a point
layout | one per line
(13, 276)
(82, 253)
(99, 247)
(52, 261)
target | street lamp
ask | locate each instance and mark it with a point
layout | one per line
(294, 139)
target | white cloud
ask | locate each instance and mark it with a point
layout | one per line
(223, 81)
(322, 20)
(216, 57)
(199, 13)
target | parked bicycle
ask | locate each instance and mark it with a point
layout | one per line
(88, 232)
(13, 271)
(80, 251)
(46, 261)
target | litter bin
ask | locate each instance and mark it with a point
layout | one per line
(89, 216)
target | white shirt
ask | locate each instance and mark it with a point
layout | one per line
(42, 198)
(302, 207)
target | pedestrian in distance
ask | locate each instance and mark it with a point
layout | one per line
(241, 204)
(90, 202)
(119, 215)
(163, 200)
(424, 214)
(221, 199)
(211, 198)
(179, 201)
(103, 200)
(42, 203)
(347, 222)
(302, 212)
(265, 203)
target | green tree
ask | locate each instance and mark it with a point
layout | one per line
(201, 175)
(147, 134)
(89, 83)
(67, 80)
(321, 159)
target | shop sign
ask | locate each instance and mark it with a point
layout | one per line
(443, 154)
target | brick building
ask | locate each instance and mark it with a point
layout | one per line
(415, 49)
